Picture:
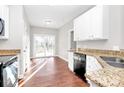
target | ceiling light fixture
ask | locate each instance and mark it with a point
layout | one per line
(48, 21)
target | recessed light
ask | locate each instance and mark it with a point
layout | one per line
(47, 21)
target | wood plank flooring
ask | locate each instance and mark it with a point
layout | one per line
(35, 64)
(55, 73)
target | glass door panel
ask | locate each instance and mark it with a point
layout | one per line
(44, 45)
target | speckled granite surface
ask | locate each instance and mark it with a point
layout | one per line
(98, 52)
(108, 76)
(9, 52)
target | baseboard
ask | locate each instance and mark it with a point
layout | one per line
(62, 58)
(41, 57)
(52, 56)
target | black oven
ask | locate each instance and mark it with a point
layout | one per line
(8, 71)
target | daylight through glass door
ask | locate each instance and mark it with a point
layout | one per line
(44, 45)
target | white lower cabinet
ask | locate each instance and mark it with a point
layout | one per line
(92, 84)
(92, 64)
(71, 61)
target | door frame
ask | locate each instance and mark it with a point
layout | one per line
(34, 52)
(69, 35)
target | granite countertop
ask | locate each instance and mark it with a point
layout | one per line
(107, 76)
(99, 52)
(6, 52)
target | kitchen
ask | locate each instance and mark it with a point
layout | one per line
(90, 42)
(95, 45)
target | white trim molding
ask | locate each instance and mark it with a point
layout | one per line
(62, 58)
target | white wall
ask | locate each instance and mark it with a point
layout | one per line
(26, 43)
(15, 33)
(122, 32)
(116, 34)
(39, 30)
(18, 34)
(63, 42)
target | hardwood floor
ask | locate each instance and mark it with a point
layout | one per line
(35, 64)
(55, 73)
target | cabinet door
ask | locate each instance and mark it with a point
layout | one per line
(90, 25)
(71, 61)
(78, 28)
(82, 27)
(92, 64)
(84, 33)
(89, 64)
(96, 22)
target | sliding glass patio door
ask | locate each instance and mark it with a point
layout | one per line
(44, 45)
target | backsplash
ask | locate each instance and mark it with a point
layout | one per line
(99, 45)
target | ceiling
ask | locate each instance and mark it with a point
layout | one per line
(49, 16)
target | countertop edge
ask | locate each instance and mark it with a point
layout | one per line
(98, 52)
(7, 52)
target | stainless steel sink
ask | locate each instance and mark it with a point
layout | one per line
(114, 61)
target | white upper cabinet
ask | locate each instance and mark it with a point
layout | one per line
(92, 25)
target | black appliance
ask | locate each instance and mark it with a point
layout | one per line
(2, 23)
(8, 71)
(80, 65)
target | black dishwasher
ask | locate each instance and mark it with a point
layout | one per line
(80, 65)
